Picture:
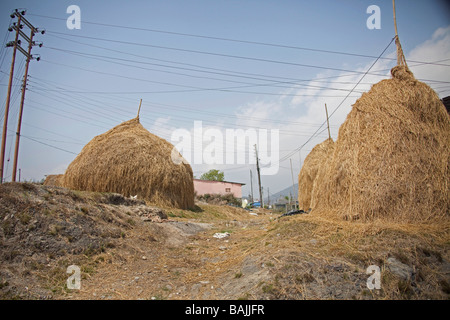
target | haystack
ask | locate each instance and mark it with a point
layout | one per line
(313, 164)
(54, 180)
(392, 155)
(132, 161)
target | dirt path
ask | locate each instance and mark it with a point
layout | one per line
(184, 261)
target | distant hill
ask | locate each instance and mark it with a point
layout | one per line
(285, 192)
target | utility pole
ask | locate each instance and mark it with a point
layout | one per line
(259, 178)
(328, 123)
(251, 183)
(293, 184)
(300, 158)
(33, 30)
(16, 45)
(8, 96)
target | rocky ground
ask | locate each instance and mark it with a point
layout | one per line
(128, 250)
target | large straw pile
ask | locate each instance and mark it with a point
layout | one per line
(130, 160)
(53, 180)
(391, 158)
(314, 163)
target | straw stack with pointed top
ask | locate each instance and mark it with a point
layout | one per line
(130, 160)
(392, 156)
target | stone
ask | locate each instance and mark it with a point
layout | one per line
(400, 269)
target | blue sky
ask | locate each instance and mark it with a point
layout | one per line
(90, 80)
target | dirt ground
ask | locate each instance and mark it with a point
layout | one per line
(128, 250)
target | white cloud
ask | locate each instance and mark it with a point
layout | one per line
(435, 49)
(307, 109)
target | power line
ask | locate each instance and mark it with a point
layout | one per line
(231, 73)
(209, 53)
(48, 145)
(340, 104)
(189, 88)
(236, 40)
(276, 84)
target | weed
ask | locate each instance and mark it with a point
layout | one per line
(405, 288)
(24, 217)
(246, 296)
(304, 278)
(238, 275)
(54, 229)
(158, 297)
(84, 210)
(401, 257)
(87, 269)
(3, 284)
(445, 286)
(8, 228)
(268, 288)
(76, 195)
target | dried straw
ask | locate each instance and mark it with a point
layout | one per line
(132, 161)
(391, 159)
(314, 163)
(54, 180)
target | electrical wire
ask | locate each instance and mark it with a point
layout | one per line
(234, 40)
(339, 105)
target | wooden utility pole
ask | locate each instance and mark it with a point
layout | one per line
(300, 158)
(293, 184)
(8, 99)
(17, 26)
(328, 123)
(259, 178)
(24, 88)
(251, 183)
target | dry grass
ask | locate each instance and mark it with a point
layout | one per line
(132, 161)
(311, 173)
(305, 249)
(392, 156)
(54, 180)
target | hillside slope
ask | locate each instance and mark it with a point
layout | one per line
(128, 250)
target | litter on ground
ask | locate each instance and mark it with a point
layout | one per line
(293, 212)
(221, 235)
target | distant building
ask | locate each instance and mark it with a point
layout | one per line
(283, 204)
(202, 187)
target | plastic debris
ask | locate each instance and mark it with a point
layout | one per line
(221, 235)
(293, 212)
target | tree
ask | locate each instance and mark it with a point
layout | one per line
(213, 175)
